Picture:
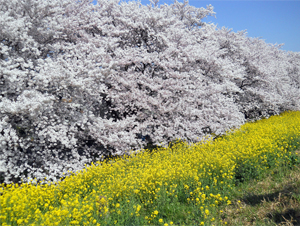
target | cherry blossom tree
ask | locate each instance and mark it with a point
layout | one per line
(79, 82)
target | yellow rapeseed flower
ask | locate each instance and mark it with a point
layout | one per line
(199, 170)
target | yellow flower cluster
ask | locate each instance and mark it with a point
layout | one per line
(148, 188)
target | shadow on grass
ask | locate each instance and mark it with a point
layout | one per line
(283, 205)
(271, 197)
(290, 215)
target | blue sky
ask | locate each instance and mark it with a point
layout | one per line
(273, 21)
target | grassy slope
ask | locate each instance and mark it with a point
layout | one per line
(273, 200)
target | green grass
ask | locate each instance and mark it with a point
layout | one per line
(272, 200)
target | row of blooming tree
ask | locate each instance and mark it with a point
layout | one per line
(80, 81)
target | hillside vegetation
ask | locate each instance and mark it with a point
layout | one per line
(213, 182)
